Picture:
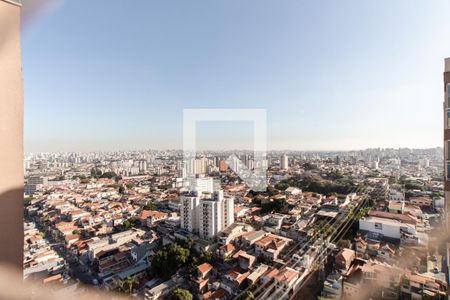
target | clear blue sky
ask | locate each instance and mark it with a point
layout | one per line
(333, 75)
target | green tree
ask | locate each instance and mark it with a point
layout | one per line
(279, 206)
(168, 260)
(181, 294)
(130, 185)
(121, 189)
(150, 206)
(131, 282)
(282, 186)
(108, 174)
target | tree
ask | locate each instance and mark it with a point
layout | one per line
(96, 172)
(181, 294)
(119, 283)
(127, 224)
(121, 189)
(281, 186)
(344, 244)
(130, 185)
(248, 295)
(279, 206)
(132, 222)
(168, 260)
(131, 281)
(108, 174)
(150, 206)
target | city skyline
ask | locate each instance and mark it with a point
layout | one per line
(325, 81)
(225, 149)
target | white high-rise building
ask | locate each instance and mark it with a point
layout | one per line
(206, 213)
(210, 217)
(142, 166)
(228, 211)
(216, 214)
(284, 162)
(201, 184)
(189, 211)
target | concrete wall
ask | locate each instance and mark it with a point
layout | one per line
(11, 133)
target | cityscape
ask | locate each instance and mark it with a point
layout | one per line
(224, 150)
(330, 225)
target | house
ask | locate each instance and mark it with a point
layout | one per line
(226, 250)
(396, 195)
(249, 238)
(421, 201)
(231, 232)
(162, 290)
(257, 273)
(240, 211)
(270, 246)
(77, 214)
(151, 217)
(387, 251)
(360, 245)
(234, 279)
(64, 228)
(419, 286)
(293, 191)
(71, 238)
(245, 260)
(204, 270)
(285, 280)
(344, 259)
(371, 279)
(219, 294)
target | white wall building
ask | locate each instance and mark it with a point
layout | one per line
(206, 213)
(284, 162)
(387, 227)
(189, 207)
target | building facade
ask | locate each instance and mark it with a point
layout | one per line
(284, 162)
(447, 135)
(206, 214)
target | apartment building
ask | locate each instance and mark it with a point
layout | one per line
(189, 210)
(206, 214)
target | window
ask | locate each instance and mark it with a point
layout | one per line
(448, 94)
(448, 150)
(448, 170)
(448, 118)
(378, 226)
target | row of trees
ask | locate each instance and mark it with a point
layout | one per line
(96, 173)
(341, 186)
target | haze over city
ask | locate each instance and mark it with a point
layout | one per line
(332, 75)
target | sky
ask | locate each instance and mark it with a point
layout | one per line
(332, 75)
